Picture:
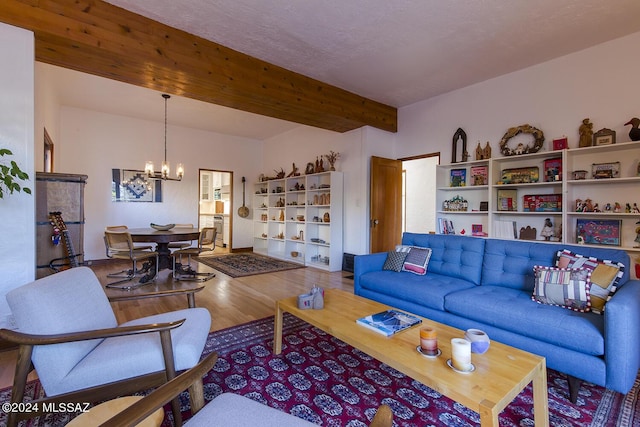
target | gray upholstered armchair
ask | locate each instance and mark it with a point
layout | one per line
(67, 329)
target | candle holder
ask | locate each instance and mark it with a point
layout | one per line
(461, 356)
(428, 343)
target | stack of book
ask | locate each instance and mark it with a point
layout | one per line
(445, 226)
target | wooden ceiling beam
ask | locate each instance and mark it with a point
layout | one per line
(98, 38)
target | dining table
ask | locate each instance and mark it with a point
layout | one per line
(162, 238)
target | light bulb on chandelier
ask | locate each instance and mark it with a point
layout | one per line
(165, 173)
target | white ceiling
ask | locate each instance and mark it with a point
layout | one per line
(397, 52)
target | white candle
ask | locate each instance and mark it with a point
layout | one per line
(461, 354)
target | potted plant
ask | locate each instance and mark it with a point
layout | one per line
(10, 175)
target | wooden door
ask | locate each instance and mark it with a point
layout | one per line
(386, 204)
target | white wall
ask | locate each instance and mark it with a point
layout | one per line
(92, 143)
(17, 214)
(600, 83)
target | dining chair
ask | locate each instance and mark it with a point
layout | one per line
(181, 245)
(206, 243)
(67, 330)
(121, 228)
(121, 247)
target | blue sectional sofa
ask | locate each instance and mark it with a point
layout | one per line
(488, 283)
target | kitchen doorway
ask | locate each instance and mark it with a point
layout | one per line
(215, 205)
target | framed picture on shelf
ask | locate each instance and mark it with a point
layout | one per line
(479, 175)
(604, 137)
(507, 200)
(598, 231)
(605, 170)
(560, 143)
(553, 170)
(458, 178)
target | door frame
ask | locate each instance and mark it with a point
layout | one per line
(231, 203)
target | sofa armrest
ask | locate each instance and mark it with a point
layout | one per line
(622, 337)
(366, 264)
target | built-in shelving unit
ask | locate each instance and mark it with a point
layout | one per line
(299, 219)
(563, 186)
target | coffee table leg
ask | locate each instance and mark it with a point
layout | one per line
(277, 331)
(540, 397)
(191, 300)
(488, 414)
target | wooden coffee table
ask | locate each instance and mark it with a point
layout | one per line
(500, 374)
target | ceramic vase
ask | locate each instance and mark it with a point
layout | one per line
(479, 340)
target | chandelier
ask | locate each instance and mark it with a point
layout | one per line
(165, 172)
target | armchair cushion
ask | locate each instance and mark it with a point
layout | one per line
(229, 409)
(117, 361)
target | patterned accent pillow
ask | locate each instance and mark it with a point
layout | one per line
(564, 287)
(417, 260)
(605, 276)
(395, 261)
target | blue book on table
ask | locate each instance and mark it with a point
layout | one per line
(389, 322)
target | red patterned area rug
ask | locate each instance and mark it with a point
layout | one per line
(246, 264)
(321, 379)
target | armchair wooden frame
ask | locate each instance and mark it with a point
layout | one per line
(26, 343)
(191, 379)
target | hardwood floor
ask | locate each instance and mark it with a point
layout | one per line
(230, 301)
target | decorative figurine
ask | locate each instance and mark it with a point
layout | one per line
(479, 152)
(635, 208)
(607, 207)
(634, 133)
(547, 230)
(586, 133)
(627, 208)
(588, 206)
(617, 208)
(487, 151)
(596, 208)
(294, 172)
(637, 240)
(310, 169)
(465, 156)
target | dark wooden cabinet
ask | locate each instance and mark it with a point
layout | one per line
(64, 193)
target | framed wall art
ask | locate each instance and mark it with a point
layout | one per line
(598, 231)
(134, 186)
(604, 137)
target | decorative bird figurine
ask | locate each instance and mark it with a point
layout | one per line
(634, 133)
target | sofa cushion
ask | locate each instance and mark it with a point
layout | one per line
(564, 287)
(428, 290)
(605, 275)
(395, 261)
(513, 310)
(451, 255)
(417, 260)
